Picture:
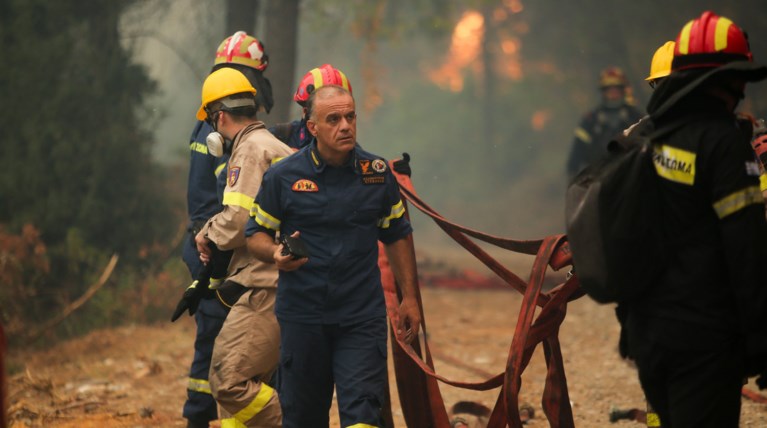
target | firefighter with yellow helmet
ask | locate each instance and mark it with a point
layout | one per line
(206, 183)
(702, 327)
(246, 349)
(606, 121)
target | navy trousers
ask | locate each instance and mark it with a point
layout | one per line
(314, 358)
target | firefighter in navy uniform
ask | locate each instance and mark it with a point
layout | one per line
(340, 201)
(702, 328)
(599, 126)
(207, 179)
(295, 134)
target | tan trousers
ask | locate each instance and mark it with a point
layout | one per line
(245, 355)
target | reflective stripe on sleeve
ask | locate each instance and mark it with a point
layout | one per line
(238, 199)
(198, 385)
(262, 398)
(219, 169)
(362, 426)
(198, 147)
(264, 219)
(397, 210)
(277, 159)
(582, 135)
(736, 201)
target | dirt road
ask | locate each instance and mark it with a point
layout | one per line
(135, 376)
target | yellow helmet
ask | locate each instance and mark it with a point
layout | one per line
(220, 84)
(661, 61)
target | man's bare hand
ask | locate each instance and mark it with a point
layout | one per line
(287, 262)
(409, 320)
(202, 247)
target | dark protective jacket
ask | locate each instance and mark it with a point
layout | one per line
(203, 194)
(294, 134)
(595, 130)
(714, 291)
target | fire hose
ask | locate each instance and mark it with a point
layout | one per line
(420, 397)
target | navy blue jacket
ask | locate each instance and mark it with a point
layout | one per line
(342, 213)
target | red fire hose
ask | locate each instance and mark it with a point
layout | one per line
(420, 397)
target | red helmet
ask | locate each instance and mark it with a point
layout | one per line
(612, 76)
(240, 48)
(760, 146)
(709, 42)
(316, 77)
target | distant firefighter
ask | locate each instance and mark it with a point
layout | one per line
(608, 119)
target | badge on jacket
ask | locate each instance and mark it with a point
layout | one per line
(304, 185)
(234, 174)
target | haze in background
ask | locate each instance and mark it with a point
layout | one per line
(488, 145)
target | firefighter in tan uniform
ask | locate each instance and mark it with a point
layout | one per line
(246, 351)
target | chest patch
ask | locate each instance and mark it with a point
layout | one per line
(378, 165)
(304, 185)
(365, 167)
(674, 164)
(376, 179)
(234, 174)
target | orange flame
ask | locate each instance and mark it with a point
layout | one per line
(464, 49)
(466, 45)
(539, 119)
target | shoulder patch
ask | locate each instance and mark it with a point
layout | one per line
(234, 174)
(304, 185)
(379, 165)
(674, 164)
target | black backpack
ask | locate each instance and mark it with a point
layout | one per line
(613, 211)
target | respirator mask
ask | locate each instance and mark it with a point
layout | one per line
(217, 144)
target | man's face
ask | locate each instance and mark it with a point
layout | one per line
(613, 93)
(334, 124)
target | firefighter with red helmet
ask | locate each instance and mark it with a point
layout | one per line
(295, 134)
(702, 327)
(614, 114)
(206, 183)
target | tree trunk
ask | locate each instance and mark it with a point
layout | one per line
(240, 16)
(281, 45)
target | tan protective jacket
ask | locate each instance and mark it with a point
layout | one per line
(253, 151)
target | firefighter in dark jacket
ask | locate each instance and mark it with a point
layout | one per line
(207, 180)
(599, 126)
(702, 328)
(294, 133)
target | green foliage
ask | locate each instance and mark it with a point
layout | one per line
(81, 157)
(77, 148)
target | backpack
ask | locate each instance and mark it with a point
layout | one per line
(612, 213)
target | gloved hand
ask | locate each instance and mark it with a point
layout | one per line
(191, 298)
(402, 166)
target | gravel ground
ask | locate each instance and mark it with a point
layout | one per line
(135, 376)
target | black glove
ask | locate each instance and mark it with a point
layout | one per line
(216, 268)
(191, 298)
(402, 166)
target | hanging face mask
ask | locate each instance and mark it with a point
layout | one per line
(217, 144)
